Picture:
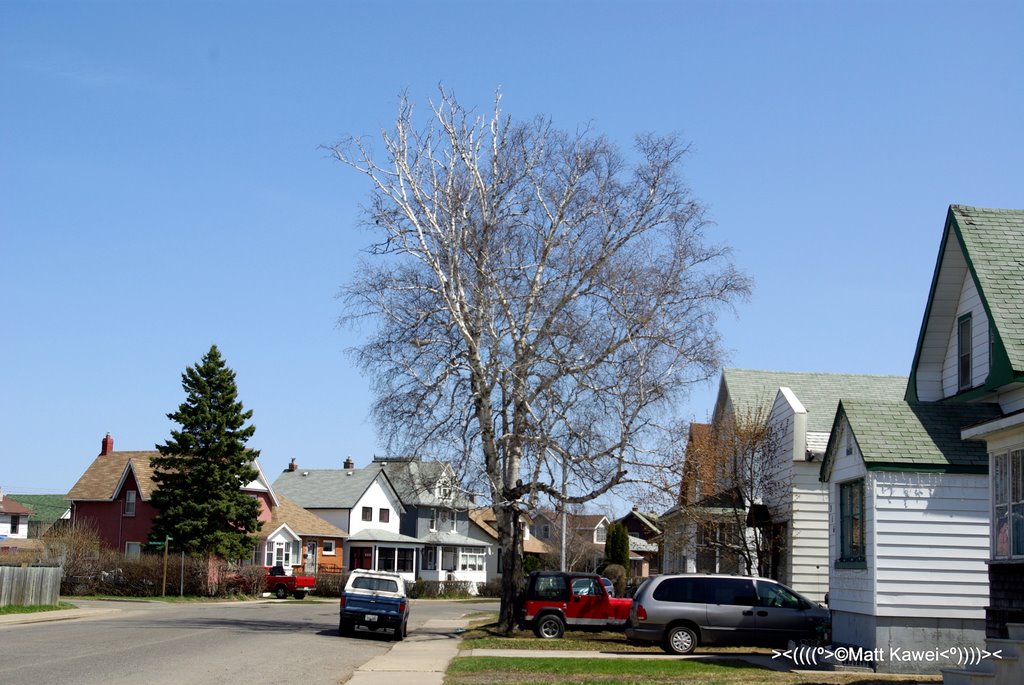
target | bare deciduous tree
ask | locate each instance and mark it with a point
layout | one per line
(733, 483)
(539, 297)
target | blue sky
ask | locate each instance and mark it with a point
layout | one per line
(161, 186)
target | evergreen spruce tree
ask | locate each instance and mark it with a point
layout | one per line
(616, 545)
(203, 467)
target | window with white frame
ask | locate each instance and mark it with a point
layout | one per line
(406, 560)
(132, 550)
(1008, 505)
(471, 559)
(429, 559)
(129, 503)
(433, 519)
(386, 559)
(444, 489)
(328, 548)
(600, 534)
(281, 553)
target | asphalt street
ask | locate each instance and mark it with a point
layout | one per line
(152, 642)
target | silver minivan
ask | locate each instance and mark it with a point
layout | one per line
(683, 611)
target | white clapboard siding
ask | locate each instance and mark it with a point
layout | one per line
(851, 590)
(809, 532)
(970, 303)
(1012, 401)
(941, 519)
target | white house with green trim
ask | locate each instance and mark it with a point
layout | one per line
(971, 350)
(800, 407)
(908, 528)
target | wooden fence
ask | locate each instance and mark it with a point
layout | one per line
(29, 586)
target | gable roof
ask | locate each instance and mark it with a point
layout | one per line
(302, 522)
(100, 481)
(44, 507)
(901, 436)
(12, 506)
(485, 519)
(329, 488)
(818, 392)
(650, 520)
(991, 242)
(415, 481)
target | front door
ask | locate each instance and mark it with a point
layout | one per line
(310, 556)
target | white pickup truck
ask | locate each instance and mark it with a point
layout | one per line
(375, 600)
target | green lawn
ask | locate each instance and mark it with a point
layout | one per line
(16, 609)
(556, 671)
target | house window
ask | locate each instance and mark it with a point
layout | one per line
(367, 513)
(383, 516)
(430, 559)
(545, 531)
(129, 503)
(433, 519)
(963, 342)
(851, 523)
(329, 548)
(600, 534)
(133, 550)
(385, 558)
(471, 559)
(406, 561)
(1008, 505)
(445, 520)
(15, 524)
(444, 489)
(449, 558)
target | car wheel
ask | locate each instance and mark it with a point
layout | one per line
(680, 640)
(549, 626)
(400, 633)
(300, 595)
(281, 592)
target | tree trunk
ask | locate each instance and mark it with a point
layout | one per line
(510, 540)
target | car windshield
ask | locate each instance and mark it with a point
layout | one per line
(374, 584)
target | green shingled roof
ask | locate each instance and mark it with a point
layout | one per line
(900, 436)
(993, 241)
(819, 392)
(45, 508)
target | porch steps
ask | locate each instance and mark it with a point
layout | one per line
(1009, 670)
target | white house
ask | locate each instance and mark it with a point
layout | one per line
(908, 523)
(970, 350)
(13, 519)
(792, 505)
(362, 502)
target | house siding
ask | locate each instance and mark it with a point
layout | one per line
(969, 303)
(808, 533)
(376, 497)
(850, 591)
(937, 522)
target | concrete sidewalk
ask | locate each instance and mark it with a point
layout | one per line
(57, 615)
(420, 659)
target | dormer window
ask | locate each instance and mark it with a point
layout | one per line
(444, 489)
(963, 342)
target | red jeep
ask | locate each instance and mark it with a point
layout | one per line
(554, 601)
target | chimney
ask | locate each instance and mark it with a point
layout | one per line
(349, 464)
(107, 446)
(292, 465)
(635, 508)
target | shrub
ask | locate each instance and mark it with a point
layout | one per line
(616, 574)
(330, 584)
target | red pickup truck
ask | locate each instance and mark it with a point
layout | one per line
(554, 601)
(283, 585)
